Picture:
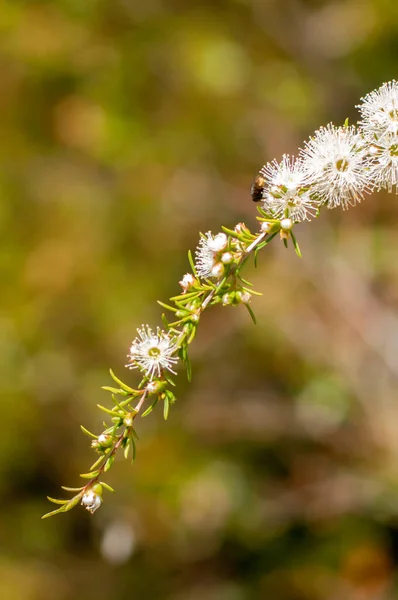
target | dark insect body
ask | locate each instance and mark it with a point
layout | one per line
(257, 188)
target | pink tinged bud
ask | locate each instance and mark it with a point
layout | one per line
(240, 228)
(217, 270)
(245, 297)
(187, 282)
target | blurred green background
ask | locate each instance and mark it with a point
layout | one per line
(126, 127)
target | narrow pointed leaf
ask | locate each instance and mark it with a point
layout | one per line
(56, 501)
(107, 486)
(124, 387)
(166, 408)
(87, 432)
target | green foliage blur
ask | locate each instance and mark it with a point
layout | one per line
(126, 127)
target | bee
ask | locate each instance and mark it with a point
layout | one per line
(257, 188)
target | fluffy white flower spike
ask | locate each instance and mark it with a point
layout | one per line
(152, 352)
(383, 165)
(335, 163)
(207, 257)
(286, 193)
(379, 112)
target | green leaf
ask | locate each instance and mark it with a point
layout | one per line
(107, 486)
(189, 368)
(109, 463)
(72, 502)
(134, 447)
(127, 449)
(87, 432)
(54, 512)
(97, 462)
(166, 408)
(245, 281)
(124, 387)
(113, 390)
(165, 322)
(109, 411)
(56, 501)
(295, 244)
(150, 408)
(90, 475)
(251, 313)
(166, 306)
(70, 489)
(192, 263)
(187, 296)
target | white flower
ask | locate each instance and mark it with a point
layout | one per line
(91, 501)
(286, 192)
(152, 352)
(383, 164)
(206, 255)
(334, 161)
(379, 111)
(187, 282)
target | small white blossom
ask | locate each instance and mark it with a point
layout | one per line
(379, 112)
(91, 501)
(187, 282)
(383, 163)
(286, 192)
(218, 243)
(152, 352)
(334, 161)
(207, 261)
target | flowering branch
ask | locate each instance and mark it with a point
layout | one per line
(337, 167)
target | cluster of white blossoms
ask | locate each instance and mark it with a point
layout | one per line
(209, 255)
(287, 193)
(152, 352)
(338, 165)
(379, 127)
(336, 168)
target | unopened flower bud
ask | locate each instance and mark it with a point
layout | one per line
(266, 227)
(187, 282)
(195, 318)
(243, 297)
(153, 387)
(228, 298)
(217, 270)
(241, 228)
(104, 439)
(227, 258)
(128, 420)
(286, 224)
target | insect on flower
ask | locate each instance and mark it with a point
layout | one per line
(257, 188)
